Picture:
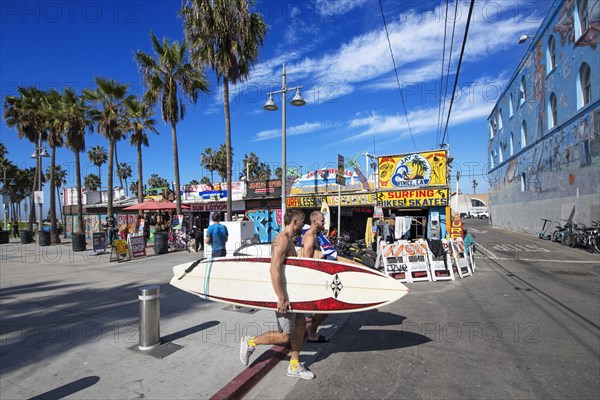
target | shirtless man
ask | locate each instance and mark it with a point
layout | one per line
(312, 249)
(291, 325)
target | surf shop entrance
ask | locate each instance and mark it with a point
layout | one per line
(413, 193)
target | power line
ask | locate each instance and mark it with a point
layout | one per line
(437, 133)
(443, 105)
(462, 51)
(397, 78)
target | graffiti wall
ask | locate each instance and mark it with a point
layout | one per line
(267, 223)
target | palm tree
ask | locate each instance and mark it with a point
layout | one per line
(221, 157)
(208, 160)
(23, 113)
(250, 163)
(77, 120)
(263, 171)
(91, 182)
(156, 181)
(110, 96)
(140, 120)
(124, 172)
(204, 180)
(164, 77)
(52, 112)
(225, 35)
(98, 156)
(133, 188)
(194, 182)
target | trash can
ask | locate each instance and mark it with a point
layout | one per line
(78, 241)
(161, 243)
(4, 235)
(26, 237)
(44, 238)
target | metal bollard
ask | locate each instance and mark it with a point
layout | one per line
(149, 297)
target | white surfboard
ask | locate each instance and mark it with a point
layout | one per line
(313, 286)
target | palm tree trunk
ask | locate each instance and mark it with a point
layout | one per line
(54, 238)
(140, 177)
(111, 154)
(32, 201)
(176, 167)
(80, 227)
(99, 177)
(117, 164)
(228, 146)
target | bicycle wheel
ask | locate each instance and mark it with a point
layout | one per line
(567, 239)
(596, 243)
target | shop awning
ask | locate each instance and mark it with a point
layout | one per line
(155, 206)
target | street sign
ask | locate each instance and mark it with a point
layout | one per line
(38, 197)
(340, 177)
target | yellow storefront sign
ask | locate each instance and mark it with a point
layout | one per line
(413, 198)
(347, 200)
(428, 168)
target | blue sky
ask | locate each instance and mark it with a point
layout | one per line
(337, 50)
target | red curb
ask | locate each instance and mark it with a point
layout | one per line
(241, 384)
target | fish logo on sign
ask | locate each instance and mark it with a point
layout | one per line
(336, 286)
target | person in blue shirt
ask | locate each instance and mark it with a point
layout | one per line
(217, 235)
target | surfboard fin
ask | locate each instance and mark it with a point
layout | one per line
(191, 268)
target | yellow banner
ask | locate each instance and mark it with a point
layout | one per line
(428, 168)
(413, 198)
(347, 200)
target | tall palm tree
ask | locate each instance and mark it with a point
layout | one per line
(165, 76)
(140, 120)
(52, 112)
(221, 157)
(225, 35)
(23, 113)
(124, 172)
(110, 96)
(98, 156)
(208, 160)
(91, 182)
(76, 121)
(251, 163)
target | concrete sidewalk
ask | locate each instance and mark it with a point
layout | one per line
(69, 328)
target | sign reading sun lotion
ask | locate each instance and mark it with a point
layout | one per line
(414, 169)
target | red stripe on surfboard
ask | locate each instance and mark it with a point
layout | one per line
(310, 263)
(329, 304)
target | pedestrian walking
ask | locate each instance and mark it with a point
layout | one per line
(217, 235)
(198, 233)
(291, 325)
(15, 229)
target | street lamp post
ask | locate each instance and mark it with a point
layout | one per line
(271, 106)
(38, 154)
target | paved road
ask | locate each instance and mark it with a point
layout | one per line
(526, 325)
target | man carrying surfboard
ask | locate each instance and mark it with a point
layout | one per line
(313, 243)
(291, 325)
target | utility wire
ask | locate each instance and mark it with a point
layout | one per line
(439, 123)
(462, 51)
(448, 69)
(397, 78)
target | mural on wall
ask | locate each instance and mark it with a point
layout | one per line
(567, 158)
(126, 222)
(93, 224)
(566, 24)
(414, 169)
(266, 224)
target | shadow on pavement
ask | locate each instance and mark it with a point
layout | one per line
(68, 389)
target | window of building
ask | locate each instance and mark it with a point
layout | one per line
(492, 160)
(524, 134)
(500, 154)
(522, 91)
(511, 145)
(510, 106)
(584, 86)
(491, 129)
(523, 182)
(581, 23)
(477, 203)
(552, 112)
(500, 124)
(551, 54)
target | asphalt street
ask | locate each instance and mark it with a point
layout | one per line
(525, 326)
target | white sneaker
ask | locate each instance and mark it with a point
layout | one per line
(300, 372)
(245, 350)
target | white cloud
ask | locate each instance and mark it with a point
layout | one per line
(329, 8)
(307, 127)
